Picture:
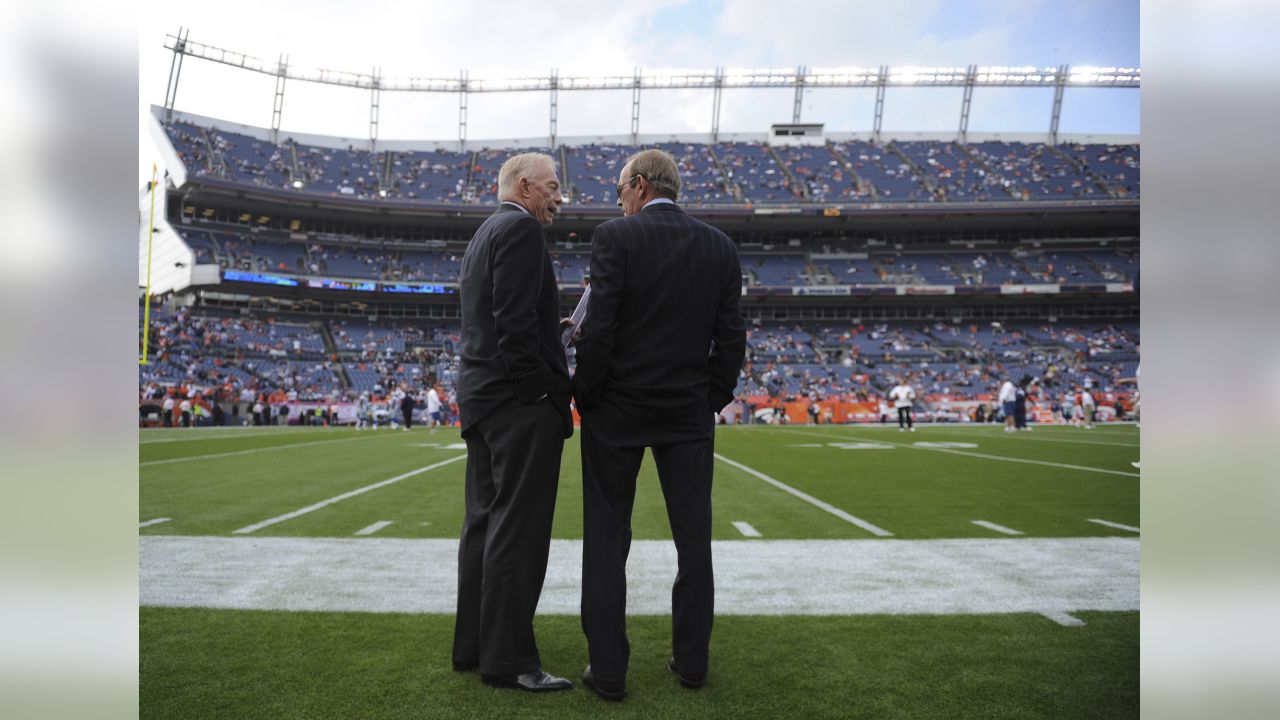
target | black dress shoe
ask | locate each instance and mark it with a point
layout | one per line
(535, 681)
(465, 666)
(611, 690)
(693, 681)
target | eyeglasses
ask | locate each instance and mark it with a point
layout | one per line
(628, 183)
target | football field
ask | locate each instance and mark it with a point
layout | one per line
(957, 571)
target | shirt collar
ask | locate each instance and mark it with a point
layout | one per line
(655, 201)
(517, 206)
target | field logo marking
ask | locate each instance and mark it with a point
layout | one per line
(1116, 525)
(746, 529)
(945, 444)
(874, 530)
(373, 528)
(157, 521)
(859, 446)
(339, 498)
(997, 528)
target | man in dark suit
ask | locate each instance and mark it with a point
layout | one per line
(407, 403)
(658, 354)
(513, 395)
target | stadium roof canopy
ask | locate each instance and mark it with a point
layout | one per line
(715, 80)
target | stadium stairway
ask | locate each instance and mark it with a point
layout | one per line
(331, 350)
(567, 188)
(1085, 171)
(293, 158)
(729, 184)
(862, 184)
(959, 268)
(217, 163)
(980, 162)
(1094, 264)
(798, 189)
(330, 347)
(1021, 266)
(925, 178)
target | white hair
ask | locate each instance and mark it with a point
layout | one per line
(524, 165)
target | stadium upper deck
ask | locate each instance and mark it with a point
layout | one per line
(714, 174)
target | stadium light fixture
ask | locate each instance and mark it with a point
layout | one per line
(674, 78)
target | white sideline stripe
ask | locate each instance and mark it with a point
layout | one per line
(373, 528)
(157, 521)
(971, 576)
(1064, 619)
(746, 529)
(1117, 525)
(877, 531)
(997, 528)
(253, 450)
(339, 498)
(975, 454)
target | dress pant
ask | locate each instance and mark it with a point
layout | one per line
(613, 445)
(513, 471)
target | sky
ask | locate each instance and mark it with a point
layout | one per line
(589, 37)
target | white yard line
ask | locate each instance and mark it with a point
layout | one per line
(253, 450)
(1022, 436)
(1047, 576)
(953, 427)
(339, 498)
(199, 436)
(149, 523)
(874, 530)
(746, 529)
(974, 454)
(1116, 525)
(997, 528)
(373, 528)
(1064, 619)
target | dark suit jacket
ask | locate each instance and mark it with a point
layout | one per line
(511, 351)
(663, 338)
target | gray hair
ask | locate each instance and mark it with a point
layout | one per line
(524, 165)
(659, 168)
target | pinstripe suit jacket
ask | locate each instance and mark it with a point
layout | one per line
(663, 336)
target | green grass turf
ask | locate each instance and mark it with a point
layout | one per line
(199, 663)
(225, 664)
(911, 492)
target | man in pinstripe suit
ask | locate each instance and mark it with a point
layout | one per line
(658, 353)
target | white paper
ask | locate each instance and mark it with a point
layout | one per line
(579, 313)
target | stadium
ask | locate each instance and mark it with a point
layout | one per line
(293, 564)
